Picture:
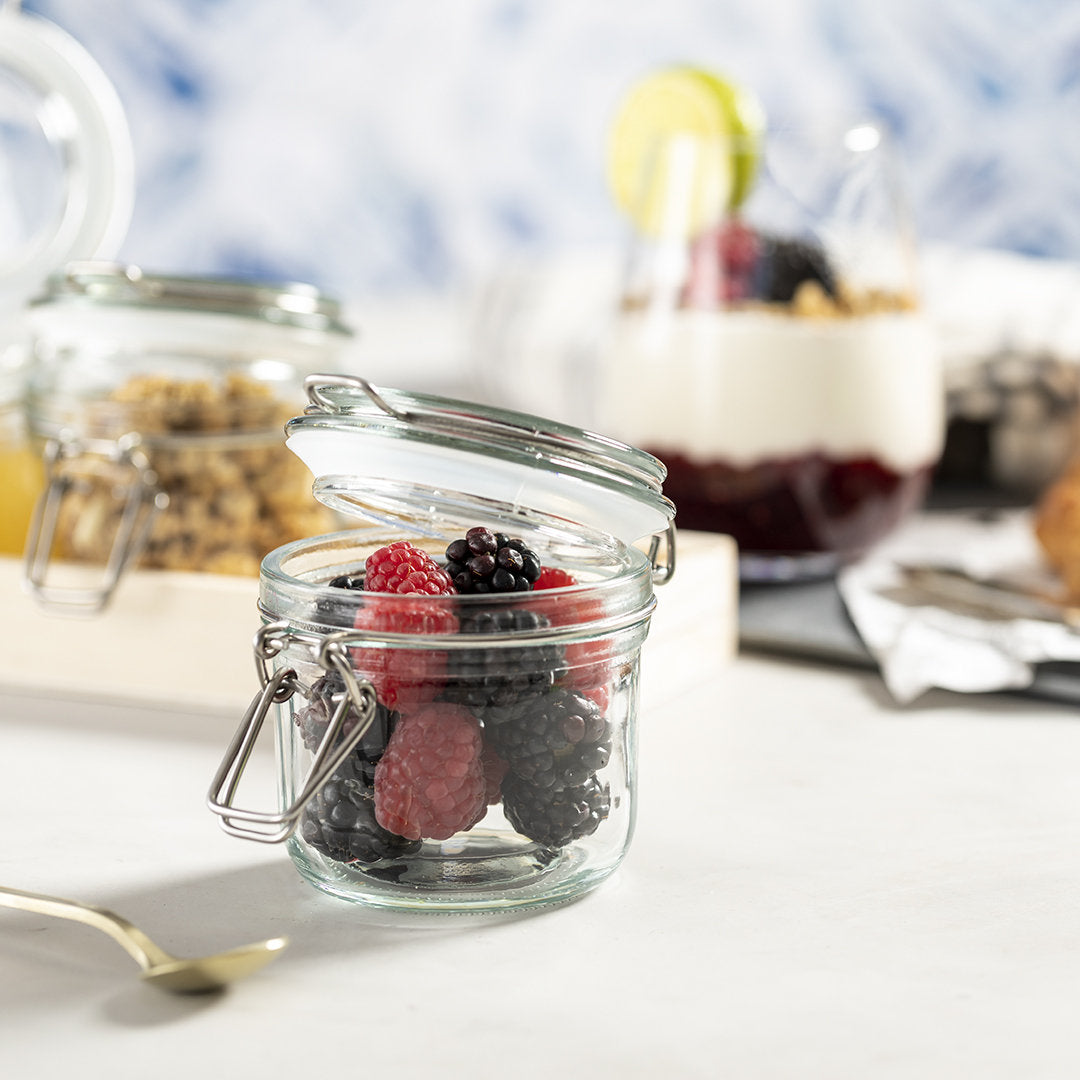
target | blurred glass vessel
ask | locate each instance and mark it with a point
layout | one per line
(156, 403)
(769, 346)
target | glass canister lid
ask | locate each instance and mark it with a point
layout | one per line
(118, 286)
(430, 463)
(65, 152)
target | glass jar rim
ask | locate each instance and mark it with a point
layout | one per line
(623, 591)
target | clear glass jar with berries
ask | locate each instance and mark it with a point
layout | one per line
(454, 684)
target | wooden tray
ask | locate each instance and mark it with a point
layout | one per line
(184, 640)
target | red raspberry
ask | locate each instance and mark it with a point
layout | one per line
(403, 568)
(599, 696)
(587, 660)
(723, 263)
(554, 577)
(429, 783)
(404, 678)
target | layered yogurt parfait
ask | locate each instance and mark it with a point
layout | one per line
(806, 427)
(769, 346)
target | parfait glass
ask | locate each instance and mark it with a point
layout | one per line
(769, 345)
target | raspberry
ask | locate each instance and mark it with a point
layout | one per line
(586, 661)
(723, 266)
(404, 678)
(402, 568)
(430, 784)
(484, 561)
(600, 696)
(554, 577)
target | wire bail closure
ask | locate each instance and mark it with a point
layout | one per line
(663, 572)
(358, 700)
(142, 500)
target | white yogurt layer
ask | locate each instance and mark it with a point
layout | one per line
(743, 386)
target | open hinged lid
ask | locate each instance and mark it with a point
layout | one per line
(430, 463)
(65, 156)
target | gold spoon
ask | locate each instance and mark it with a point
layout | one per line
(169, 972)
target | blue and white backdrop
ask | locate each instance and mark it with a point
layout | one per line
(378, 149)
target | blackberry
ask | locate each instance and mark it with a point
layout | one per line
(340, 823)
(335, 609)
(484, 561)
(786, 264)
(354, 581)
(552, 739)
(486, 678)
(313, 720)
(555, 818)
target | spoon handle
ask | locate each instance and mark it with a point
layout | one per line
(145, 953)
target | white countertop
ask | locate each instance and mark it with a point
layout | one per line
(822, 885)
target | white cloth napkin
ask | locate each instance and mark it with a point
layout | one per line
(923, 646)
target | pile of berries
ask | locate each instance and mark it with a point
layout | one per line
(458, 730)
(734, 262)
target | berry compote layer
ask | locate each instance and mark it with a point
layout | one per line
(792, 434)
(794, 505)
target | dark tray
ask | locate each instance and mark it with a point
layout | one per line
(809, 620)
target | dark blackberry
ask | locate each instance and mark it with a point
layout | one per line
(786, 264)
(312, 722)
(354, 581)
(551, 739)
(555, 818)
(486, 678)
(329, 609)
(340, 823)
(484, 561)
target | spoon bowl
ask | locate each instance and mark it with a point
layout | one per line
(179, 975)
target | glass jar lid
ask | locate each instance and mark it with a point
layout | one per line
(429, 462)
(113, 285)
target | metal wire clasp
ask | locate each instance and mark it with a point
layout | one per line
(358, 700)
(663, 572)
(314, 384)
(141, 497)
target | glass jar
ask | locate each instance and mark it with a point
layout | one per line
(770, 346)
(159, 402)
(521, 706)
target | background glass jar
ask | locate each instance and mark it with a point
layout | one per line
(160, 403)
(20, 463)
(770, 347)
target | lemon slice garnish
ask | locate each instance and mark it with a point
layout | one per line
(682, 150)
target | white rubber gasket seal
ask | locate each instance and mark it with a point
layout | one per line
(86, 118)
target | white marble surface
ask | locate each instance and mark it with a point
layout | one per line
(822, 885)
